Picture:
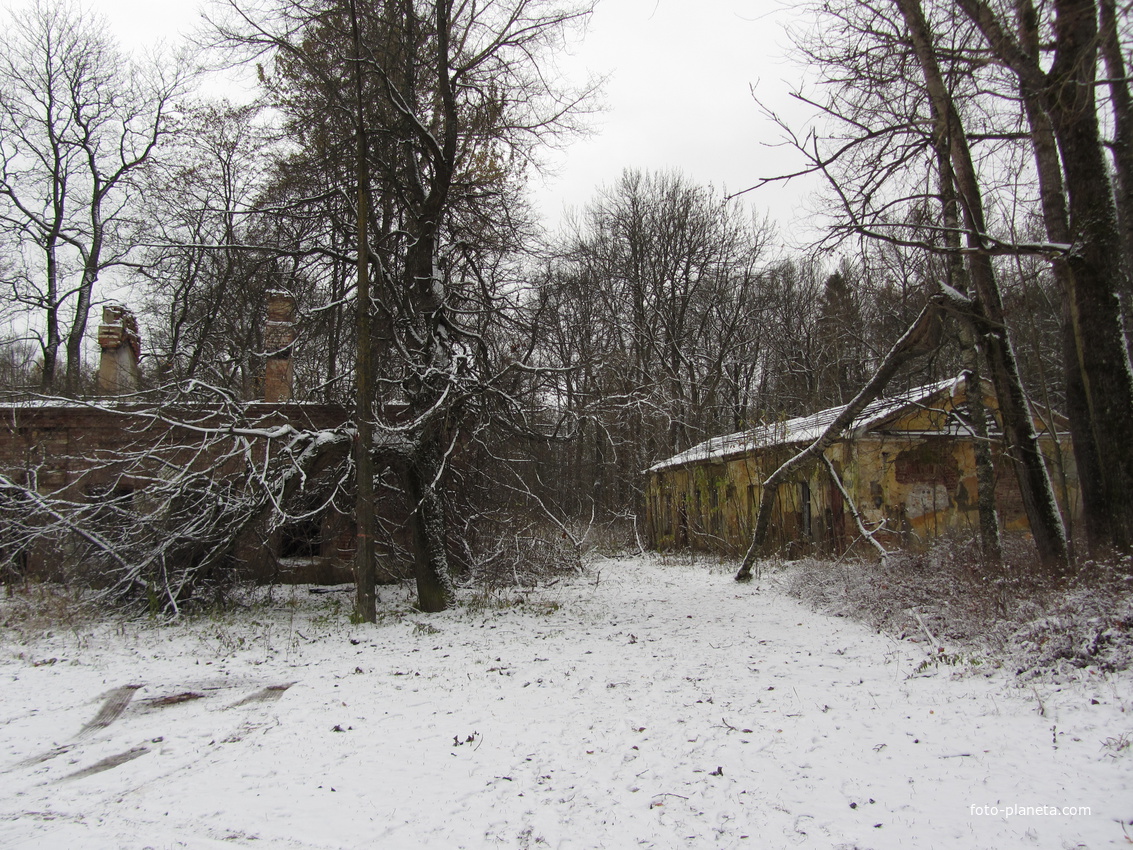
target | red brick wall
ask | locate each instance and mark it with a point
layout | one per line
(65, 450)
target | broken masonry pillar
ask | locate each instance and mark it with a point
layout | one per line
(121, 347)
(279, 335)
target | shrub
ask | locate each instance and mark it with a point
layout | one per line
(1007, 615)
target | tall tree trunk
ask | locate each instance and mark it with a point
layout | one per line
(991, 546)
(1122, 104)
(1095, 273)
(430, 347)
(1096, 262)
(365, 571)
(1052, 197)
(52, 338)
(1018, 426)
(92, 259)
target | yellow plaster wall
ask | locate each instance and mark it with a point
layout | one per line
(922, 486)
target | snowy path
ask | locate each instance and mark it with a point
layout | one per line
(663, 706)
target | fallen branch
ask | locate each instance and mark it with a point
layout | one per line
(931, 637)
(865, 533)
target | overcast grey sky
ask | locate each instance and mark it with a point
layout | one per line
(678, 95)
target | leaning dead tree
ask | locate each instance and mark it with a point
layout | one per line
(922, 337)
(901, 95)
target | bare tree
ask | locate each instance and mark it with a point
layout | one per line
(904, 96)
(657, 292)
(1079, 210)
(78, 119)
(922, 337)
(438, 107)
(987, 315)
(207, 261)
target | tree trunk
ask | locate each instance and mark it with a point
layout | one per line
(91, 259)
(1101, 396)
(52, 337)
(427, 522)
(1052, 197)
(1096, 263)
(1018, 426)
(991, 546)
(365, 570)
(1122, 103)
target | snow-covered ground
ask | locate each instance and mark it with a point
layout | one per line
(650, 703)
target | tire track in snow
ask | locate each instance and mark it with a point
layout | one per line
(107, 763)
(114, 705)
(112, 708)
(269, 694)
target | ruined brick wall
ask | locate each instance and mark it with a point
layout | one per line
(121, 348)
(279, 335)
(79, 452)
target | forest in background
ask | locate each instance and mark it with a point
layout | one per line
(509, 385)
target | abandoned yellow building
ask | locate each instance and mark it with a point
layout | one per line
(906, 463)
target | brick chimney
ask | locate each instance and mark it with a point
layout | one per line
(279, 334)
(121, 347)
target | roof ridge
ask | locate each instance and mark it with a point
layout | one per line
(801, 429)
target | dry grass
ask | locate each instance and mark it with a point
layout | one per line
(37, 607)
(527, 558)
(1008, 617)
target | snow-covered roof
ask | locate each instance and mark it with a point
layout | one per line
(805, 429)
